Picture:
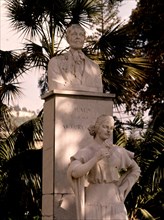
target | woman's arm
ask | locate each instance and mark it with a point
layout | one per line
(129, 179)
(80, 169)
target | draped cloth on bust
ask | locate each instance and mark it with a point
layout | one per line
(103, 195)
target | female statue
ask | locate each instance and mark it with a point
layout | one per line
(110, 171)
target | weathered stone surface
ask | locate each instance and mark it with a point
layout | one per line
(73, 70)
(67, 116)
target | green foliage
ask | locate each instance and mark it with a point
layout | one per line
(147, 195)
(12, 66)
(5, 121)
(147, 31)
(144, 215)
(21, 172)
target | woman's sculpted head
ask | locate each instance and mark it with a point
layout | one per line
(103, 119)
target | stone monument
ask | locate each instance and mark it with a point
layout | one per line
(94, 174)
(73, 70)
(67, 115)
(75, 99)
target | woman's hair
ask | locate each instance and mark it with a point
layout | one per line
(102, 118)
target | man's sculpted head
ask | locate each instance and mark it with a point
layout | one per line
(75, 36)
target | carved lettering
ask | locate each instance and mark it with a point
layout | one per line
(82, 110)
(73, 126)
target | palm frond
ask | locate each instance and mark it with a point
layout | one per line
(144, 214)
(122, 139)
(24, 16)
(27, 162)
(28, 134)
(6, 150)
(24, 138)
(9, 92)
(115, 42)
(83, 11)
(6, 125)
(22, 179)
(12, 66)
(124, 71)
(36, 56)
(159, 136)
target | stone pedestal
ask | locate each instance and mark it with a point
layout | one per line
(67, 115)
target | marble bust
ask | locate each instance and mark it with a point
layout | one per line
(100, 164)
(74, 70)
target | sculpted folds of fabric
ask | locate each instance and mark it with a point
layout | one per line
(102, 199)
(74, 73)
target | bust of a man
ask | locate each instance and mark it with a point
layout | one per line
(73, 70)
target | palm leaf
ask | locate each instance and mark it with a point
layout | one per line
(6, 125)
(21, 169)
(12, 66)
(124, 71)
(83, 11)
(144, 214)
(22, 180)
(25, 137)
(9, 92)
(36, 57)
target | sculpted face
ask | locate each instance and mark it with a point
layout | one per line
(76, 37)
(105, 130)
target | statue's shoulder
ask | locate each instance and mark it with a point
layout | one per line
(118, 148)
(92, 62)
(124, 152)
(60, 57)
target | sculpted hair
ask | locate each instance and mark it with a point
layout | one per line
(72, 27)
(101, 119)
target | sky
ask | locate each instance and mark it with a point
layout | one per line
(11, 40)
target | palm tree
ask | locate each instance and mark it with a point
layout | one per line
(21, 172)
(122, 69)
(12, 66)
(20, 161)
(47, 22)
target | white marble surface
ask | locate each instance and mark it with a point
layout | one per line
(73, 70)
(67, 115)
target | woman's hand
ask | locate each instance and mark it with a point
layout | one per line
(108, 143)
(122, 190)
(102, 153)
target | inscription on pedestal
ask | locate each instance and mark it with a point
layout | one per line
(72, 118)
(66, 121)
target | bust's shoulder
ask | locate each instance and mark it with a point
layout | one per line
(59, 57)
(92, 62)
